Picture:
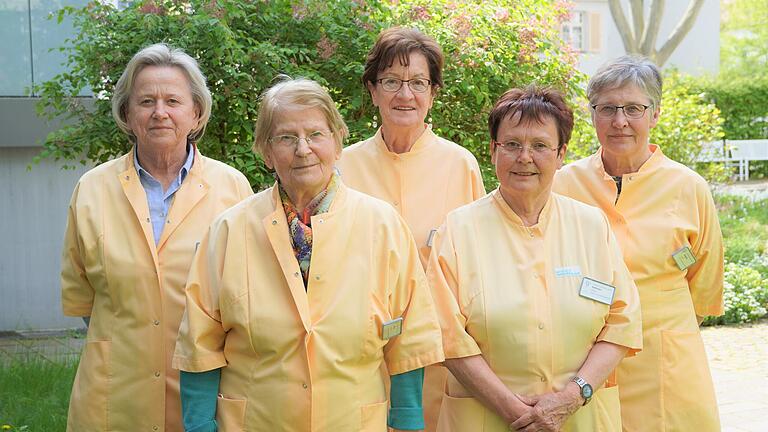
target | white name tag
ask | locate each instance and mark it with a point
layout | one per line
(392, 328)
(684, 258)
(597, 291)
(562, 272)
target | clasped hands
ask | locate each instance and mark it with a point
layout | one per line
(547, 412)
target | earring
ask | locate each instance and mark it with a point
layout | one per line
(375, 121)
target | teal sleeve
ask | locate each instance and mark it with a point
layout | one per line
(198, 400)
(405, 410)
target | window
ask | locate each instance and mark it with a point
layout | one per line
(583, 31)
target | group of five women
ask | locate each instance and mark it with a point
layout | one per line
(378, 284)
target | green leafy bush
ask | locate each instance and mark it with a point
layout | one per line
(745, 296)
(490, 46)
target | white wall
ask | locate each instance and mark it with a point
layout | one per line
(33, 213)
(697, 54)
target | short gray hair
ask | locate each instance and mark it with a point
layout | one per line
(162, 55)
(630, 69)
(289, 93)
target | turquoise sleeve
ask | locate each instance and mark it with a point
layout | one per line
(198, 400)
(406, 412)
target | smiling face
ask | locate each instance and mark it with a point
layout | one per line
(526, 175)
(306, 169)
(623, 138)
(161, 111)
(403, 109)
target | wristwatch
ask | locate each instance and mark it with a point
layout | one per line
(586, 389)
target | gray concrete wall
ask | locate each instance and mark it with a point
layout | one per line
(32, 220)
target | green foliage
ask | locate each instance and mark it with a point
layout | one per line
(34, 395)
(744, 40)
(490, 46)
(743, 104)
(745, 296)
(744, 222)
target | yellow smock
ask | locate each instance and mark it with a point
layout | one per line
(511, 293)
(423, 185)
(133, 290)
(309, 360)
(663, 207)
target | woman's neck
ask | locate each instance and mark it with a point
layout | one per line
(527, 207)
(162, 164)
(618, 165)
(401, 140)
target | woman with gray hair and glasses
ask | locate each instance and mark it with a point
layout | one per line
(665, 219)
(134, 224)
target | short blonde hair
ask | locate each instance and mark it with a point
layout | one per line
(162, 55)
(299, 92)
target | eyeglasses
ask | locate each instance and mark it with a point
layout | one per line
(292, 141)
(417, 85)
(515, 148)
(633, 111)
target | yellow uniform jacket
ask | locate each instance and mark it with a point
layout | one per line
(662, 208)
(306, 360)
(512, 294)
(423, 185)
(133, 290)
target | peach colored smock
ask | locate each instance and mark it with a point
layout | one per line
(133, 290)
(306, 360)
(423, 185)
(663, 207)
(512, 294)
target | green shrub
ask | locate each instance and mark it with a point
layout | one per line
(490, 46)
(745, 296)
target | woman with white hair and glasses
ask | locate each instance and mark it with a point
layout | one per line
(300, 293)
(134, 224)
(665, 219)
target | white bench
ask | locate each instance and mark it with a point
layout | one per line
(735, 152)
(744, 151)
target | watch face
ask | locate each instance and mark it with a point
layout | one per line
(586, 391)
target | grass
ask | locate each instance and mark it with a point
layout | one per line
(34, 395)
(744, 222)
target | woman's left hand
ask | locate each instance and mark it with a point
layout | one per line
(549, 411)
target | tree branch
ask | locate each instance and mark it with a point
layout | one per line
(636, 8)
(682, 29)
(630, 44)
(651, 31)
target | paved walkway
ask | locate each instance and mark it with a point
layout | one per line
(738, 358)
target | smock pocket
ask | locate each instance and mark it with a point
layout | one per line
(687, 393)
(88, 404)
(459, 414)
(230, 414)
(373, 417)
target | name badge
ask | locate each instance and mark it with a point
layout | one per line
(392, 328)
(562, 272)
(684, 258)
(597, 291)
(431, 237)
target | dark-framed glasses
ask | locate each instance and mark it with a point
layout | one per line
(292, 141)
(515, 148)
(633, 111)
(417, 85)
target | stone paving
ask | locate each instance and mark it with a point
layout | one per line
(738, 358)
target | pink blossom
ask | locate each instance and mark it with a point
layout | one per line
(151, 8)
(462, 26)
(326, 47)
(299, 11)
(420, 13)
(502, 14)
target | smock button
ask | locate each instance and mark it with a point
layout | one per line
(147, 219)
(296, 274)
(304, 385)
(543, 379)
(157, 374)
(155, 428)
(274, 222)
(317, 277)
(156, 322)
(541, 326)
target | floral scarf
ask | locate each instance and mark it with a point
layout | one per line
(300, 225)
